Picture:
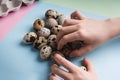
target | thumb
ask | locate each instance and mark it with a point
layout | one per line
(89, 65)
(77, 15)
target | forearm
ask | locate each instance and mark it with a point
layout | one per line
(113, 25)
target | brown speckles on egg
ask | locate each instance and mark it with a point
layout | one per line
(61, 18)
(51, 22)
(38, 24)
(56, 26)
(45, 52)
(51, 14)
(30, 37)
(58, 30)
(55, 30)
(42, 52)
(36, 45)
(83, 68)
(76, 44)
(41, 41)
(27, 41)
(52, 41)
(44, 47)
(44, 38)
(45, 32)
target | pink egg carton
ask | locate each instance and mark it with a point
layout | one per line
(7, 6)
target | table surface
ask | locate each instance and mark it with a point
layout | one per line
(110, 8)
(21, 62)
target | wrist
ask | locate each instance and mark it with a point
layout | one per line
(113, 26)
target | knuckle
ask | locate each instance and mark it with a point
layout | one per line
(62, 30)
(76, 12)
(65, 38)
(70, 78)
(66, 21)
(79, 25)
(79, 33)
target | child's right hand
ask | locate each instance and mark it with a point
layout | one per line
(93, 32)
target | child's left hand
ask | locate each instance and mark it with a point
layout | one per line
(75, 72)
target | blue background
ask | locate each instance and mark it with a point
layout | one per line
(21, 62)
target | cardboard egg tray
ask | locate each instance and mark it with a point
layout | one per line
(7, 6)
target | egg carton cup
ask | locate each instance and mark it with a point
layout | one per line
(7, 6)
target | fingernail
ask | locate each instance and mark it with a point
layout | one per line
(52, 74)
(55, 65)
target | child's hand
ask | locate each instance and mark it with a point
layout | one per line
(93, 32)
(75, 72)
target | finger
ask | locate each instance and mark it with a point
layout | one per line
(69, 22)
(65, 63)
(79, 52)
(60, 72)
(66, 30)
(69, 38)
(88, 64)
(53, 77)
(77, 15)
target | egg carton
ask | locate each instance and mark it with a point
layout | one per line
(7, 6)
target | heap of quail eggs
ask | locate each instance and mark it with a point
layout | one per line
(44, 35)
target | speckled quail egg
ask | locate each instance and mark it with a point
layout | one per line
(39, 42)
(52, 41)
(51, 14)
(56, 29)
(45, 52)
(29, 38)
(51, 22)
(38, 24)
(76, 45)
(45, 32)
(66, 50)
(61, 18)
(83, 67)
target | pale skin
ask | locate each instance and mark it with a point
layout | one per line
(75, 72)
(93, 32)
